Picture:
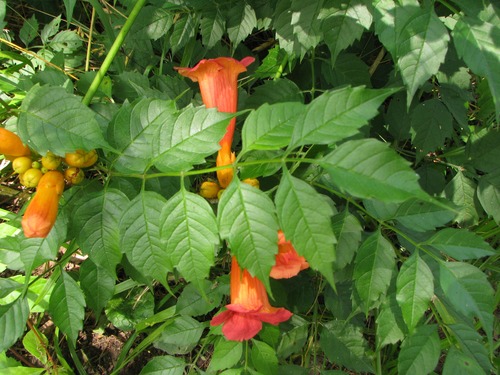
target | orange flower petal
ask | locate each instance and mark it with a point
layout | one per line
(249, 307)
(41, 214)
(288, 262)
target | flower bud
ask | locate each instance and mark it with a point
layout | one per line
(51, 161)
(31, 177)
(209, 189)
(252, 182)
(81, 158)
(11, 144)
(21, 164)
(74, 176)
(41, 213)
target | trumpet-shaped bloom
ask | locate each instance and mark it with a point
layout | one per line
(249, 307)
(288, 262)
(11, 144)
(218, 81)
(41, 213)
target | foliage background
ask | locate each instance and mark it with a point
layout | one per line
(372, 126)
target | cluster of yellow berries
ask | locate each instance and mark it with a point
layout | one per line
(31, 170)
(46, 175)
(212, 190)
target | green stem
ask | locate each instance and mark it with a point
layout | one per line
(281, 68)
(313, 76)
(449, 6)
(113, 52)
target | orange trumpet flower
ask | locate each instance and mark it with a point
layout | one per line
(218, 81)
(41, 213)
(11, 145)
(288, 262)
(249, 307)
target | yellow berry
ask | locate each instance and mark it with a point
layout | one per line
(81, 158)
(51, 161)
(209, 189)
(252, 182)
(74, 175)
(31, 177)
(21, 164)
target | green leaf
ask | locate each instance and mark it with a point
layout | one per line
(306, 26)
(461, 190)
(348, 232)
(247, 220)
(488, 193)
(305, 218)
(348, 70)
(293, 341)
(398, 118)
(164, 365)
(420, 351)
(344, 344)
(189, 231)
(272, 65)
(69, 6)
(97, 217)
(98, 285)
(460, 244)
(152, 23)
(66, 306)
(29, 31)
(344, 24)
(457, 101)
(475, 41)
(134, 129)
(485, 154)
(240, 23)
(36, 344)
(391, 326)
(13, 318)
(36, 251)
(213, 26)
(189, 136)
(50, 29)
(431, 124)
(422, 216)
(471, 343)
(226, 355)
(50, 119)
(7, 286)
(192, 302)
(297, 26)
(140, 236)
(264, 358)
(459, 363)
(66, 41)
(338, 115)
(270, 127)
(421, 48)
(184, 30)
(415, 288)
(370, 169)
(469, 292)
(181, 336)
(373, 268)
(276, 91)
(390, 18)
(128, 309)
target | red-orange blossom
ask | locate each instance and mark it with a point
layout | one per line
(218, 80)
(249, 307)
(41, 213)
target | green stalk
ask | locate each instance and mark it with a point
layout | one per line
(113, 51)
